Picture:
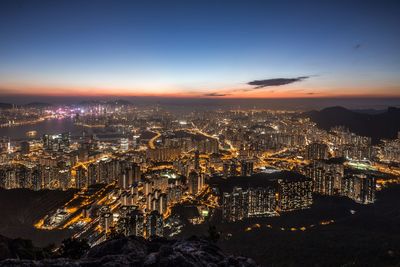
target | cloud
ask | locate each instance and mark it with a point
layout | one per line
(276, 82)
(216, 94)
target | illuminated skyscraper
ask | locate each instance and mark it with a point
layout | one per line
(36, 179)
(106, 221)
(294, 193)
(197, 161)
(317, 151)
(195, 181)
(235, 205)
(135, 223)
(262, 201)
(56, 142)
(246, 168)
(124, 144)
(359, 187)
(124, 180)
(154, 224)
(81, 178)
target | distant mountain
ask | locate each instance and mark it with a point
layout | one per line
(377, 126)
(117, 102)
(89, 102)
(37, 105)
(369, 111)
(29, 105)
(5, 105)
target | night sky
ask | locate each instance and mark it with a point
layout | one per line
(209, 49)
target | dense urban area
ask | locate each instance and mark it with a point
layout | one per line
(147, 171)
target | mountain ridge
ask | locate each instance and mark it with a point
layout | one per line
(385, 125)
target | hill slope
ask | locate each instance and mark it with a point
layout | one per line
(377, 126)
(134, 251)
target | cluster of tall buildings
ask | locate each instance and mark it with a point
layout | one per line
(186, 142)
(20, 176)
(283, 191)
(294, 193)
(56, 142)
(349, 145)
(254, 133)
(360, 188)
(327, 176)
(277, 140)
(234, 167)
(330, 178)
(195, 182)
(246, 167)
(132, 221)
(5, 145)
(247, 203)
(391, 150)
(35, 177)
(244, 155)
(143, 202)
(107, 170)
(62, 172)
(163, 154)
(317, 151)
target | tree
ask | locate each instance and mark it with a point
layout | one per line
(73, 248)
(213, 234)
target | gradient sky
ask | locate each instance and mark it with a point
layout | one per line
(200, 48)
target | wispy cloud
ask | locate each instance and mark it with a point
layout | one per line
(256, 85)
(276, 82)
(215, 94)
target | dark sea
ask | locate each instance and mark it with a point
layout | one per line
(53, 126)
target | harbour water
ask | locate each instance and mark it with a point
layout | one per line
(52, 126)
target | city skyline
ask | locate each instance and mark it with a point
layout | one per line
(200, 133)
(211, 49)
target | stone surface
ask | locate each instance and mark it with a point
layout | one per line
(133, 251)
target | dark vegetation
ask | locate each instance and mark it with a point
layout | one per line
(24, 249)
(369, 237)
(72, 248)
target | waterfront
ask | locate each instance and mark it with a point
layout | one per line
(51, 126)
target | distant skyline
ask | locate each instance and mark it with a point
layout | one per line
(199, 49)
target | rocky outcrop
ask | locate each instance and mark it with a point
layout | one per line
(133, 251)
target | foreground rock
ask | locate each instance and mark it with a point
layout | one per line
(133, 251)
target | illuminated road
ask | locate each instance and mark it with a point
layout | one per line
(74, 210)
(196, 130)
(152, 140)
